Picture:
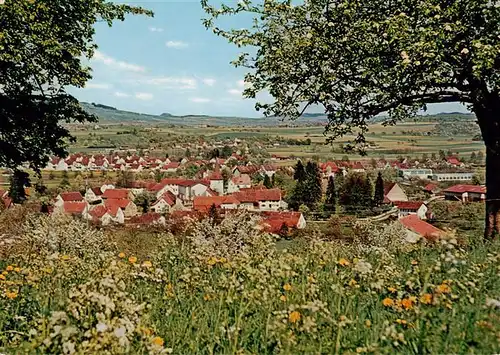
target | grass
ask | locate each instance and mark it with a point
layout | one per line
(306, 296)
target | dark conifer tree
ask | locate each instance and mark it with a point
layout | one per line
(300, 173)
(267, 182)
(18, 181)
(314, 189)
(379, 190)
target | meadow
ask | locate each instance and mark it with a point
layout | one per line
(227, 289)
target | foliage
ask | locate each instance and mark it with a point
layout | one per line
(144, 201)
(246, 296)
(18, 181)
(356, 193)
(378, 198)
(125, 178)
(331, 195)
(41, 52)
(299, 172)
(313, 185)
(267, 182)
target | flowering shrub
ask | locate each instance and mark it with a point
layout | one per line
(228, 289)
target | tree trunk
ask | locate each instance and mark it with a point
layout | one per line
(492, 220)
(489, 121)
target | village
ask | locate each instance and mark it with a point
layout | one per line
(149, 190)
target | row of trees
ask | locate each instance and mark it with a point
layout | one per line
(355, 192)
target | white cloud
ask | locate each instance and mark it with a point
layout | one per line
(235, 92)
(172, 82)
(121, 94)
(98, 86)
(156, 29)
(241, 83)
(209, 81)
(143, 96)
(199, 100)
(176, 44)
(117, 64)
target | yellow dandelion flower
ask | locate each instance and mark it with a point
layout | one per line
(212, 261)
(121, 255)
(283, 298)
(443, 288)
(132, 259)
(368, 323)
(426, 298)
(388, 302)
(11, 295)
(287, 287)
(158, 341)
(147, 331)
(147, 264)
(5, 273)
(17, 269)
(352, 282)
(65, 257)
(343, 262)
(392, 289)
(407, 303)
(294, 317)
(206, 297)
(2, 277)
(9, 268)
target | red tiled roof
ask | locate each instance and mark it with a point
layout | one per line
(215, 176)
(74, 207)
(453, 161)
(71, 196)
(97, 191)
(249, 169)
(430, 187)
(115, 194)
(98, 211)
(256, 195)
(171, 166)
(466, 188)
(203, 203)
(242, 180)
(420, 227)
(388, 187)
(121, 203)
(329, 164)
(168, 197)
(273, 221)
(408, 205)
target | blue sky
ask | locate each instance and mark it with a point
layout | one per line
(171, 63)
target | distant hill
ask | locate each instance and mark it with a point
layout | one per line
(112, 115)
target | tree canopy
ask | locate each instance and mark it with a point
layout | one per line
(43, 47)
(359, 59)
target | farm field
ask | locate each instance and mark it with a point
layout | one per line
(403, 139)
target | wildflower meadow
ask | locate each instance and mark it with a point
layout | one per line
(229, 288)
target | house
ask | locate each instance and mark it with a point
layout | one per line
(394, 192)
(166, 203)
(245, 170)
(273, 222)
(465, 193)
(119, 194)
(431, 188)
(453, 176)
(268, 170)
(415, 173)
(128, 207)
(416, 229)
(188, 189)
(203, 203)
(454, 161)
(93, 194)
(237, 183)
(260, 199)
(216, 181)
(106, 215)
(329, 169)
(68, 197)
(411, 208)
(75, 208)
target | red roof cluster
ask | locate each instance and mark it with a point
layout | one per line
(115, 194)
(420, 227)
(146, 218)
(115, 202)
(466, 188)
(73, 207)
(408, 205)
(71, 196)
(274, 221)
(203, 203)
(255, 195)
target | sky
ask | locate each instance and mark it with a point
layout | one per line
(171, 63)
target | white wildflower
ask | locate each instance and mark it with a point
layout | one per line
(101, 327)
